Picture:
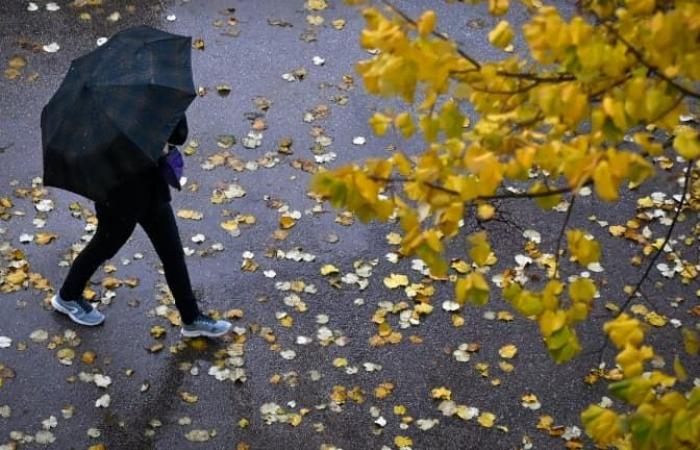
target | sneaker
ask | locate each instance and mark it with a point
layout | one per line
(204, 325)
(79, 311)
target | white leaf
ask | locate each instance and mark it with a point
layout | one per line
(5, 342)
(51, 48)
(103, 402)
(102, 380)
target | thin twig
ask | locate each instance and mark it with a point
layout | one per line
(641, 281)
(644, 277)
(520, 90)
(440, 36)
(508, 195)
(652, 69)
(663, 113)
(561, 235)
(521, 75)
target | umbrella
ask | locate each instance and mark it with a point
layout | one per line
(115, 109)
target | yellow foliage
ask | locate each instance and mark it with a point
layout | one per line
(608, 90)
(602, 424)
(472, 288)
(583, 247)
(624, 330)
(501, 35)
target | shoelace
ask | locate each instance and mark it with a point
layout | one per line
(205, 319)
(84, 305)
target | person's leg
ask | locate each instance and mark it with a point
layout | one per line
(161, 228)
(112, 232)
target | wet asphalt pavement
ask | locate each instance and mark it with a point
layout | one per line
(249, 45)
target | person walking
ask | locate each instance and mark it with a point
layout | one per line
(110, 133)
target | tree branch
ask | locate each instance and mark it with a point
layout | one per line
(561, 235)
(652, 69)
(521, 75)
(641, 281)
(505, 196)
(644, 277)
(440, 36)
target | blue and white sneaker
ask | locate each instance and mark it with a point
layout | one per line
(79, 311)
(204, 325)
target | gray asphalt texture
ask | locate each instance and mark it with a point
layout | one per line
(252, 64)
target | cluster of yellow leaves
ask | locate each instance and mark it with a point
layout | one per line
(605, 92)
(664, 418)
(556, 322)
(530, 119)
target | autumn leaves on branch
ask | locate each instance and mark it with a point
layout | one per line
(597, 98)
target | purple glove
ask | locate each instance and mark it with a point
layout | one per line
(171, 167)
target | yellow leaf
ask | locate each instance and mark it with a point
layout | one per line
(400, 410)
(552, 321)
(426, 23)
(190, 214)
(230, 225)
(605, 185)
(616, 230)
(582, 290)
(656, 319)
(472, 288)
(508, 351)
(485, 211)
(687, 143)
(480, 248)
(451, 119)
(603, 425)
(188, 397)
(486, 419)
(691, 341)
(287, 222)
(157, 331)
(498, 7)
(678, 368)
(404, 123)
(403, 441)
(17, 277)
(624, 330)
(88, 357)
(340, 362)
(316, 5)
(583, 247)
(383, 390)
(631, 359)
(380, 123)
(45, 238)
(441, 393)
(329, 269)
(395, 280)
(501, 35)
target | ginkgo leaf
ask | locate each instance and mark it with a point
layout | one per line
(501, 35)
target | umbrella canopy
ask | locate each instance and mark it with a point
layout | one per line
(115, 109)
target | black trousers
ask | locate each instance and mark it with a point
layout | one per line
(113, 230)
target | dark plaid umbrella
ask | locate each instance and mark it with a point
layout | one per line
(115, 109)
